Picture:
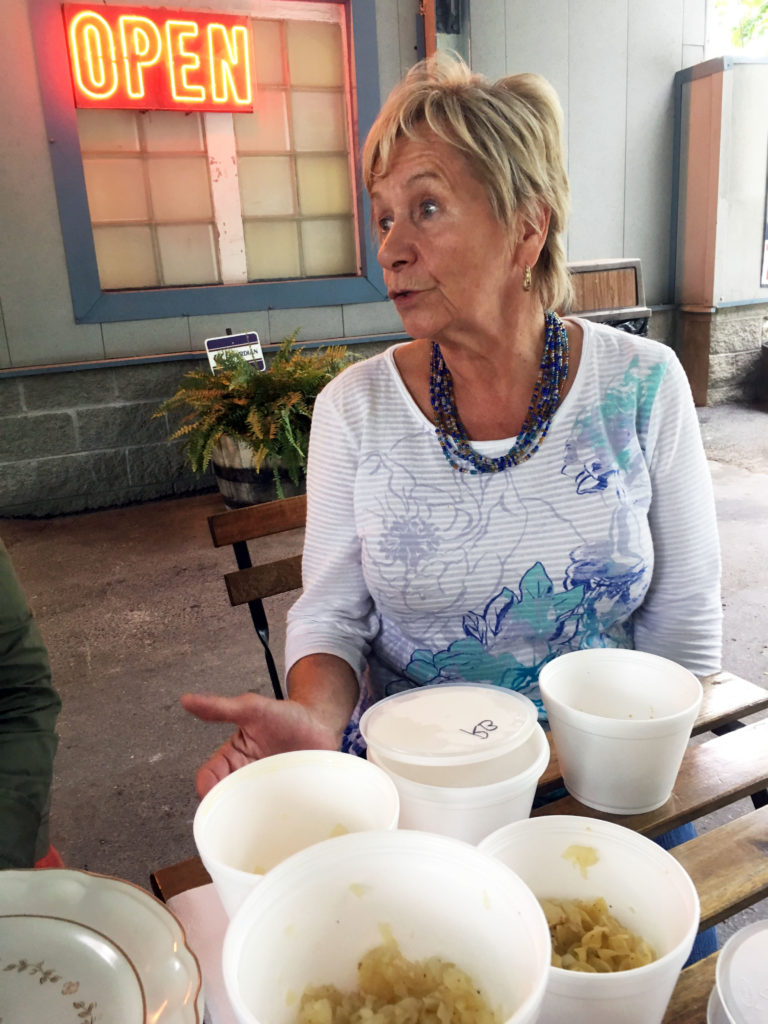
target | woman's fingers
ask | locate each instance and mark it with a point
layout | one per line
(206, 779)
(265, 726)
(213, 708)
(225, 761)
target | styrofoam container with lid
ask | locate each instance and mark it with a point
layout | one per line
(465, 758)
(741, 989)
(449, 724)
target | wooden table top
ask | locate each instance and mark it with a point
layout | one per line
(728, 865)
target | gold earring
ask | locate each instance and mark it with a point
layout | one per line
(527, 278)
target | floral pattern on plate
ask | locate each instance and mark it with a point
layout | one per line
(88, 949)
(59, 958)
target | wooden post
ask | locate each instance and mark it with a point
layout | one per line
(427, 11)
(695, 335)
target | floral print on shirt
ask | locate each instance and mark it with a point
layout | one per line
(604, 579)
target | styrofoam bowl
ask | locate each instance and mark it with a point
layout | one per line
(269, 809)
(620, 720)
(434, 799)
(646, 889)
(312, 918)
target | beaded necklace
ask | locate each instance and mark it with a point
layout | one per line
(450, 431)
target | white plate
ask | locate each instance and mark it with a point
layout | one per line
(83, 948)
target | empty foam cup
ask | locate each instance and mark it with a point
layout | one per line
(620, 720)
(568, 857)
(313, 917)
(465, 758)
(264, 812)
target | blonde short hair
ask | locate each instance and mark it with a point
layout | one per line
(511, 133)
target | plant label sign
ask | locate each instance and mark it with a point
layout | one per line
(248, 345)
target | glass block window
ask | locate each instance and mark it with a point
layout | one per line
(193, 198)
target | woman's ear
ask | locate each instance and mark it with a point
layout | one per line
(533, 226)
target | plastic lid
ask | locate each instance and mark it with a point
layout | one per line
(741, 974)
(449, 724)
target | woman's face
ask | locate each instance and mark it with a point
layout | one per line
(448, 261)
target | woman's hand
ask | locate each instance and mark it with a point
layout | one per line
(264, 726)
(323, 691)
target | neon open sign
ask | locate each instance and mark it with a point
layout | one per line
(159, 59)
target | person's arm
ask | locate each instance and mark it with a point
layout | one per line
(328, 688)
(329, 627)
(335, 614)
(29, 707)
(681, 616)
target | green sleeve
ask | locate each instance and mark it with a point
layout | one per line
(29, 706)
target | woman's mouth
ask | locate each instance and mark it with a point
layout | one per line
(401, 295)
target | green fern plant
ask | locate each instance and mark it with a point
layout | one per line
(269, 410)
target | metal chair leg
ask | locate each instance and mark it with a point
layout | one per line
(259, 619)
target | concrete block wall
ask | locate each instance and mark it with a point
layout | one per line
(86, 439)
(737, 334)
(76, 440)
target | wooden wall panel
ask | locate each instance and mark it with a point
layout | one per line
(700, 191)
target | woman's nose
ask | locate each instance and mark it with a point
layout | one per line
(395, 248)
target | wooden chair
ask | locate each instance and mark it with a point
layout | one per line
(250, 584)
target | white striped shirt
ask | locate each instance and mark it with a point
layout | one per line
(605, 537)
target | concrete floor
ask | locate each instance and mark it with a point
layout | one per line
(133, 608)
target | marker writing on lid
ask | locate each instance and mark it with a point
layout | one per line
(482, 730)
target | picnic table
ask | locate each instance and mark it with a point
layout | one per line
(728, 865)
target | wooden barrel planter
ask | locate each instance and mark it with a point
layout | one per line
(239, 482)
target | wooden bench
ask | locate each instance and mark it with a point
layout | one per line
(726, 884)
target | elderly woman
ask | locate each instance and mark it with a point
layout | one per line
(509, 485)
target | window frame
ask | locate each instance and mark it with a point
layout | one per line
(93, 305)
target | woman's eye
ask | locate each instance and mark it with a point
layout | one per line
(428, 207)
(385, 225)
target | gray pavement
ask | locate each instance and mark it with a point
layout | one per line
(134, 611)
(736, 441)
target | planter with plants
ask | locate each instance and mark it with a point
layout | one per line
(252, 425)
